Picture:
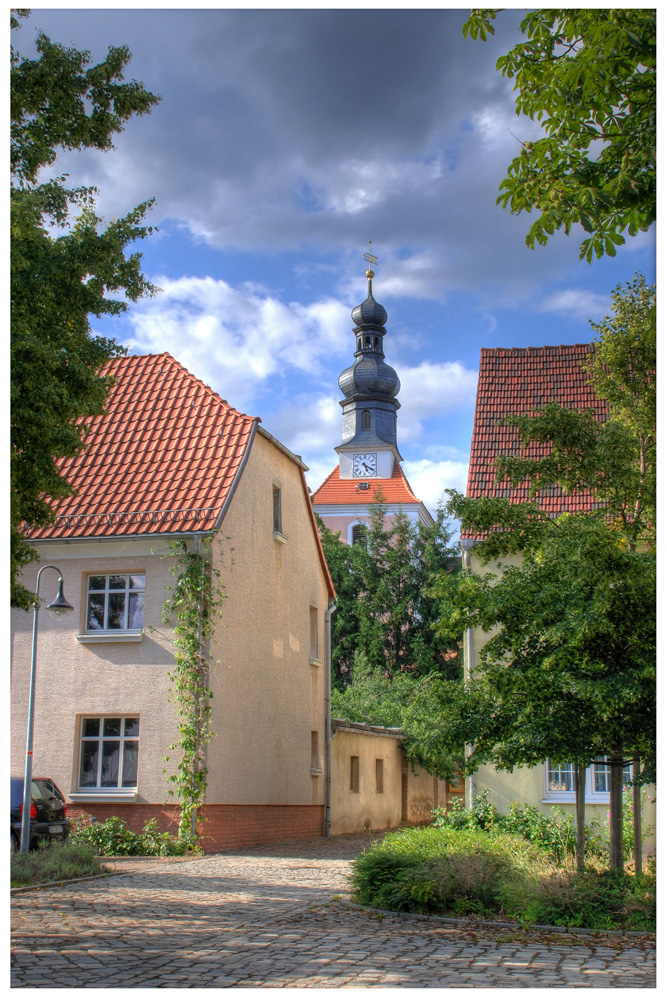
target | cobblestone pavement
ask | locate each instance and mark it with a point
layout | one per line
(269, 917)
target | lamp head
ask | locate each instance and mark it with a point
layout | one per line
(60, 606)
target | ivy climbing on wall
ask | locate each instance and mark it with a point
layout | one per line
(194, 603)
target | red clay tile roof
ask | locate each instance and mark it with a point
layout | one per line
(521, 380)
(162, 459)
(335, 490)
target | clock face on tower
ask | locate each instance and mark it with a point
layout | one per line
(365, 465)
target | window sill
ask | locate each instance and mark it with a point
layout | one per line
(120, 636)
(104, 795)
(316, 770)
(279, 537)
(600, 799)
(314, 662)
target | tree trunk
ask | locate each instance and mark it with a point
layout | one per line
(616, 809)
(580, 809)
(637, 816)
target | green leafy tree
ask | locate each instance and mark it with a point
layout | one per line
(386, 614)
(65, 268)
(568, 670)
(588, 76)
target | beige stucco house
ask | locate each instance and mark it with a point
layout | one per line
(172, 461)
(516, 381)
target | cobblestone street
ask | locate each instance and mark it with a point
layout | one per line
(269, 917)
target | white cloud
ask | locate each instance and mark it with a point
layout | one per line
(238, 339)
(432, 389)
(430, 479)
(578, 303)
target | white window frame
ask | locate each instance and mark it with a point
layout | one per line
(123, 634)
(590, 794)
(101, 792)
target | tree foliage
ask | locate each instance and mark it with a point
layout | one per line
(588, 76)
(386, 615)
(65, 267)
(567, 670)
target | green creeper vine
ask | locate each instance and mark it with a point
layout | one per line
(195, 602)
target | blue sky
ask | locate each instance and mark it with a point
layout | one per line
(285, 140)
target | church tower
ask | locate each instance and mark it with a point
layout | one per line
(369, 466)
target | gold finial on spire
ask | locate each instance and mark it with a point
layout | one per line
(371, 260)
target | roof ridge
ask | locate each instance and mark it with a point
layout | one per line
(537, 350)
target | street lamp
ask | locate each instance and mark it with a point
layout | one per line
(60, 607)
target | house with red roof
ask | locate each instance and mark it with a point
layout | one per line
(171, 461)
(519, 381)
(369, 466)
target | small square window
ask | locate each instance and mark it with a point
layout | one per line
(561, 779)
(109, 752)
(115, 602)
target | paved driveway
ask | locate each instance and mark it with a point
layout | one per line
(266, 918)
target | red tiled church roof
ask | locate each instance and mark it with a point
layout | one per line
(162, 458)
(517, 381)
(335, 490)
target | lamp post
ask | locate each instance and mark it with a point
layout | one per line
(59, 607)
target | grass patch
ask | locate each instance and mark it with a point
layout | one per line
(490, 873)
(54, 863)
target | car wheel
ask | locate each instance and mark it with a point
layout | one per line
(15, 843)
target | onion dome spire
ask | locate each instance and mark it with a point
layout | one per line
(369, 386)
(369, 375)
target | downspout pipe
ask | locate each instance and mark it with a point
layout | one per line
(466, 546)
(327, 718)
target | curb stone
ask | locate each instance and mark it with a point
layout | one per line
(500, 924)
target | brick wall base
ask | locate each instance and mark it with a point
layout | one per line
(223, 827)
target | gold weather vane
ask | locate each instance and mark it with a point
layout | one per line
(369, 256)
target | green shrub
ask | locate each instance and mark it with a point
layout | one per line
(597, 900)
(53, 862)
(496, 873)
(113, 838)
(445, 870)
(482, 816)
(554, 833)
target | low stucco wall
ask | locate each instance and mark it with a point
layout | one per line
(352, 812)
(408, 794)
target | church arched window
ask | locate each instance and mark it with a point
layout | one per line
(359, 534)
(365, 420)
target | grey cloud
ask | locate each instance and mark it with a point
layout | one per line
(293, 129)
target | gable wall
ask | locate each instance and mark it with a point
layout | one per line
(268, 697)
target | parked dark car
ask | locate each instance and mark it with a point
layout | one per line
(48, 812)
